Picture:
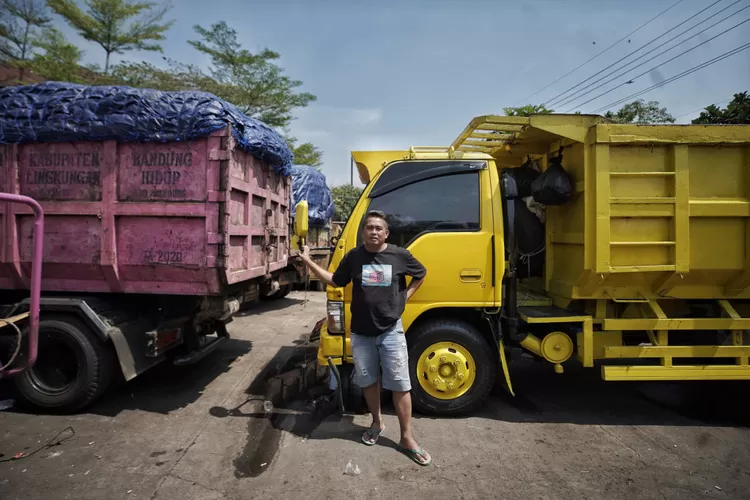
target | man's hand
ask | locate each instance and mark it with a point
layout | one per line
(321, 273)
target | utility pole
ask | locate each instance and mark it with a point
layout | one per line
(351, 171)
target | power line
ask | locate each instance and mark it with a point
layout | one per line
(662, 64)
(636, 50)
(605, 50)
(676, 77)
(701, 109)
(580, 92)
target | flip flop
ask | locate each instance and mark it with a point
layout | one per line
(370, 436)
(414, 454)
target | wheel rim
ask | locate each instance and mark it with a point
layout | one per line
(56, 369)
(446, 370)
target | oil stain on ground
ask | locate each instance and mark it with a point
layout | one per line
(265, 430)
(267, 424)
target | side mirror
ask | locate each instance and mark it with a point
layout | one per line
(300, 219)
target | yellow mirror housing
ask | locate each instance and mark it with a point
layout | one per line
(300, 219)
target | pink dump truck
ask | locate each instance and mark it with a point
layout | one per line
(149, 250)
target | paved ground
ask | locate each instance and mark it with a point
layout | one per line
(185, 434)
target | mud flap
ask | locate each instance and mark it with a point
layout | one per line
(506, 372)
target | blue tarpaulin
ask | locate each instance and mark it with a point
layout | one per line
(309, 184)
(63, 112)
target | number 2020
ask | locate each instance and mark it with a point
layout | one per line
(163, 256)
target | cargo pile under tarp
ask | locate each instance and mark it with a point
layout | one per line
(309, 184)
(67, 112)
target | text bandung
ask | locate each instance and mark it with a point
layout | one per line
(163, 159)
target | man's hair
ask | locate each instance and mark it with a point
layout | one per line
(378, 214)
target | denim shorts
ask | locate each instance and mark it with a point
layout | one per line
(387, 351)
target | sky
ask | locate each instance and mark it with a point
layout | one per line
(390, 74)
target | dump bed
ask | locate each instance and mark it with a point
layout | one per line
(191, 217)
(659, 210)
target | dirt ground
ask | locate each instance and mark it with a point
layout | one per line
(202, 433)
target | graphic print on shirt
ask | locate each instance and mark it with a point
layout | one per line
(377, 275)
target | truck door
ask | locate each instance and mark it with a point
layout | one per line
(442, 212)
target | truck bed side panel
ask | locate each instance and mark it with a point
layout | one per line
(171, 218)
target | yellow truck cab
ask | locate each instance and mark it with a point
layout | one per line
(644, 271)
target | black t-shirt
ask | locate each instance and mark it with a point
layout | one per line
(379, 286)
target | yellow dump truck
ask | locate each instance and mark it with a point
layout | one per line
(644, 270)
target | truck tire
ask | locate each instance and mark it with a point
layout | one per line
(74, 367)
(282, 292)
(456, 356)
(354, 399)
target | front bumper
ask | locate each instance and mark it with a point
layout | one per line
(336, 347)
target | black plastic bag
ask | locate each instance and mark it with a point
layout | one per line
(554, 186)
(524, 176)
(530, 240)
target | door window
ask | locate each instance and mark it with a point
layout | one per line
(449, 203)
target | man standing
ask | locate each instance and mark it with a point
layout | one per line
(378, 274)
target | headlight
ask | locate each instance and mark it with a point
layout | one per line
(335, 317)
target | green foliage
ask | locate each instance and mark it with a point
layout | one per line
(345, 197)
(146, 75)
(19, 24)
(60, 59)
(737, 112)
(641, 112)
(117, 25)
(250, 81)
(528, 110)
(306, 153)
(20, 21)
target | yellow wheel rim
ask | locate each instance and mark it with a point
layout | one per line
(446, 370)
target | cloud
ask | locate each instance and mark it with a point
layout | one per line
(337, 131)
(366, 116)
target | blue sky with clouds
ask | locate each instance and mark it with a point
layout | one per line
(391, 74)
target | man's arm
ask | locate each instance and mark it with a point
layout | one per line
(340, 278)
(417, 271)
(323, 274)
(413, 287)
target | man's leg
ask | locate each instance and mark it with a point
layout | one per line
(372, 397)
(394, 358)
(366, 367)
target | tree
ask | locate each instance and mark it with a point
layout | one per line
(344, 199)
(306, 153)
(60, 60)
(19, 22)
(641, 112)
(177, 77)
(528, 110)
(250, 81)
(737, 112)
(117, 25)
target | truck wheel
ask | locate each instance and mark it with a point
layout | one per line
(73, 367)
(282, 292)
(354, 399)
(452, 367)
